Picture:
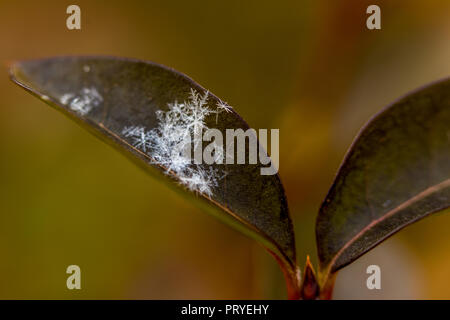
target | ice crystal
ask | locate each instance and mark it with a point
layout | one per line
(84, 101)
(141, 138)
(201, 180)
(178, 132)
(222, 106)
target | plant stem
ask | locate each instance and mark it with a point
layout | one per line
(291, 275)
(293, 286)
(326, 290)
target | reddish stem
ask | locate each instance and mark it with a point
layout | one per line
(326, 292)
(292, 277)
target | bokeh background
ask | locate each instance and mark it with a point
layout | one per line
(309, 68)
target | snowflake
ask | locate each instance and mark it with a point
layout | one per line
(201, 180)
(195, 111)
(141, 138)
(84, 101)
(222, 106)
(169, 144)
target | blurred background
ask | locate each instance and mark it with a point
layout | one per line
(310, 68)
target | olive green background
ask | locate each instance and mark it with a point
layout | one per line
(309, 68)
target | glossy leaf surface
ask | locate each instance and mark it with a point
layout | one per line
(396, 172)
(125, 102)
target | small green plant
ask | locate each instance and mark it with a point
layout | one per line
(396, 172)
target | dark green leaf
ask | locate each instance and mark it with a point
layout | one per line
(108, 95)
(396, 172)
